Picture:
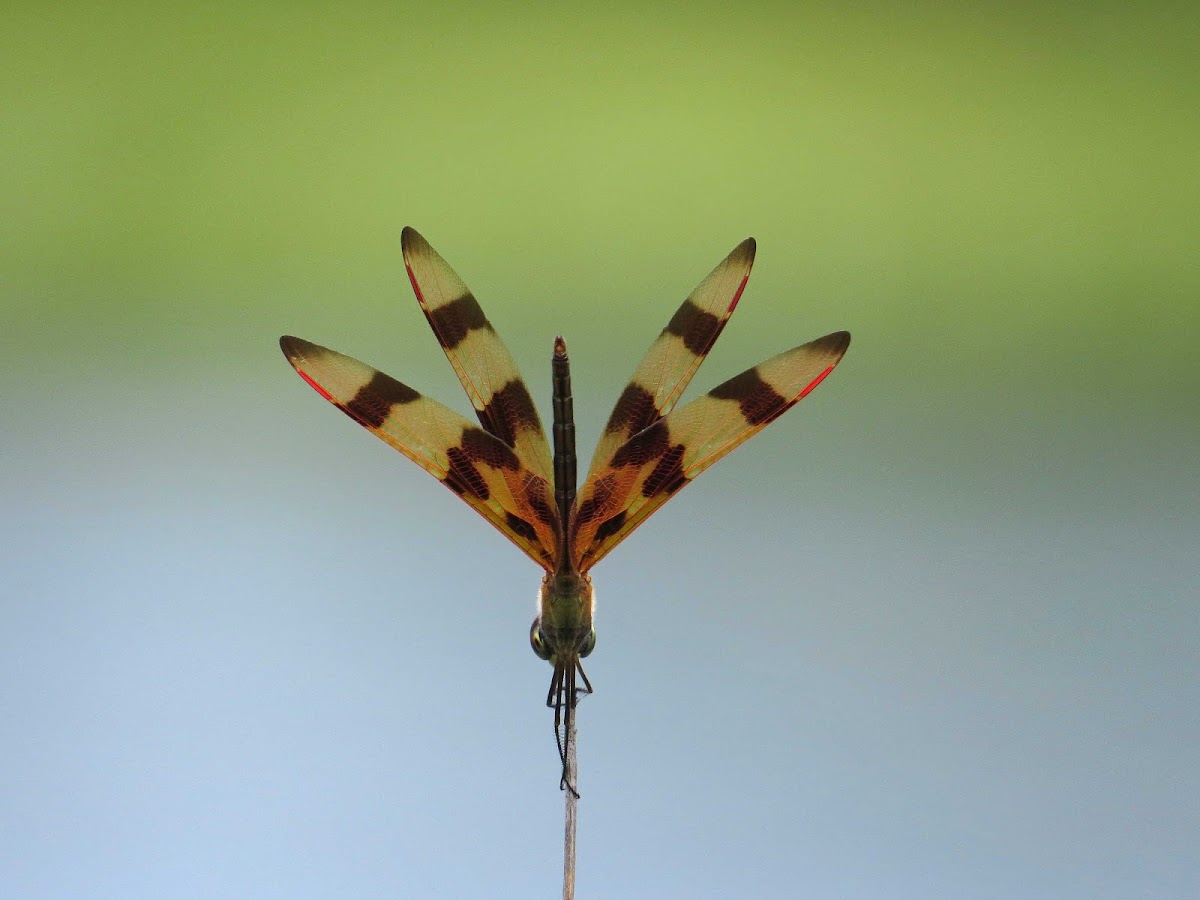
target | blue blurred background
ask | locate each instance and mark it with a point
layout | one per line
(932, 635)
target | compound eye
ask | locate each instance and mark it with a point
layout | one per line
(589, 643)
(537, 642)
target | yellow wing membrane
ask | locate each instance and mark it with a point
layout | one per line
(664, 372)
(653, 465)
(482, 469)
(482, 362)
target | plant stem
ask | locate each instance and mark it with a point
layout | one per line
(571, 809)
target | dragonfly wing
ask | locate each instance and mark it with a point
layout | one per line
(476, 465)
(664, 372)
(653, 465)
(483, 364)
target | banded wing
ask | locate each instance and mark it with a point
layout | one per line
(476, 465)
(482, 362)
(664, 372)
(657, 462)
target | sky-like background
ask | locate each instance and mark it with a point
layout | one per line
(934, 634)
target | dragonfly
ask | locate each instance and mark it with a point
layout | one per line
(504, 469)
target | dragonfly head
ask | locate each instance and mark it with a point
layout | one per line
(549, 644)
(563, 627)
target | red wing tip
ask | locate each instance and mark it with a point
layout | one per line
(743, 253)
(832, 344)
(293, 347)
(298, 352)
(411, 240)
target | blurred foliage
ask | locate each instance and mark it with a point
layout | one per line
(951, 182)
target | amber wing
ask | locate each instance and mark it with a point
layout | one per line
(478, 466)
(657, 462)
(481, 360)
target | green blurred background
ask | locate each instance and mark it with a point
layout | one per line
(932, 635)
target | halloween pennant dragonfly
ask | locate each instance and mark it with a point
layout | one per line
(503, 467)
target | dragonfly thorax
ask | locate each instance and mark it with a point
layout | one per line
(563, 626)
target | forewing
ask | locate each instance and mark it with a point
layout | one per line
(476, 465)
(676, 354)
(656, 463)
(484, 366)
